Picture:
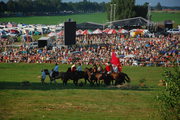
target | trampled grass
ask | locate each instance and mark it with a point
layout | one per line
(58, 102)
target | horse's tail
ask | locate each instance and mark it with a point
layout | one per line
(127, 78)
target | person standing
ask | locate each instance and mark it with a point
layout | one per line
(43, 76)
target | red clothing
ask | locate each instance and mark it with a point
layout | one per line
(115, 60)
(73, 69)
(120, 68)
(108, 68)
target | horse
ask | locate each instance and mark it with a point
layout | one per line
(75, 76)
(96, 77)
(119, 78)
(52, 76)
(65, 76)
(87, 75)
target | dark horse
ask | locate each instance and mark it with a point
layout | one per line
(120, 78)
(76, 75)
(69, 75)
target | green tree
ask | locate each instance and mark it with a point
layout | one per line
(12, 6)
(124, 9)
(170, 97)
(3, 7)
(53, 6)
(140, 8)
(158, 6)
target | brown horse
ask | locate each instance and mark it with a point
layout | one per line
(119, 78)
(96, 77)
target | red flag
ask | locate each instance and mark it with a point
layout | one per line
(115, 61)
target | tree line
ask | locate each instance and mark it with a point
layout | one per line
(126, 9)
(49, 6)
(123, 9)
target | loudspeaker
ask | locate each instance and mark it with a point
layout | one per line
(42, 43)
(70, 33)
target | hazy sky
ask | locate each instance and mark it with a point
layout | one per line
(139, 2)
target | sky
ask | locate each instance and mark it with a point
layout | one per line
(138, 2)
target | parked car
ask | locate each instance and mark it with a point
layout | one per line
(157, 34)
(33, 45)
(174, 31)
(148, 34)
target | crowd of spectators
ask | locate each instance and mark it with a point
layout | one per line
(157, 51)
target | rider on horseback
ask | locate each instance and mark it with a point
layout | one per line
(79, 68)
(99, 68)
(108, 68)
(55, 70)
(73, 68)
(115, 68)
(94, 68)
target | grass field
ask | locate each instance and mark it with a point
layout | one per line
(79, 18)
(93, 17)
(162, 16)
(58, 102)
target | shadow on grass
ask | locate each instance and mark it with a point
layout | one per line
(48, 86)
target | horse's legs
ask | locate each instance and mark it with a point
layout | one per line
(55, 81)
(75, 82)
(99, 82)
(116, 81)
(112, 81)
(96, 82)
(42, 81)
(64, 82)
(85, 81)
(102, 82)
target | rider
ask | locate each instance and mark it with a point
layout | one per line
(100, 68)
(55, 70)
(73, 68)
(115, 68)
(108, 68)
(79, 68)
(94, 68)
(119, 68)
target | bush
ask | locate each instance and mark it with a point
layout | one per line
(170, 97)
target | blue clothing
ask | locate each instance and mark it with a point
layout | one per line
(43, 75)
(50, 73)
(56, 68)
(79, 68)
(115, 68)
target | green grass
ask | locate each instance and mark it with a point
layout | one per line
(58, 102)
(162, 16)
(80, 18)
